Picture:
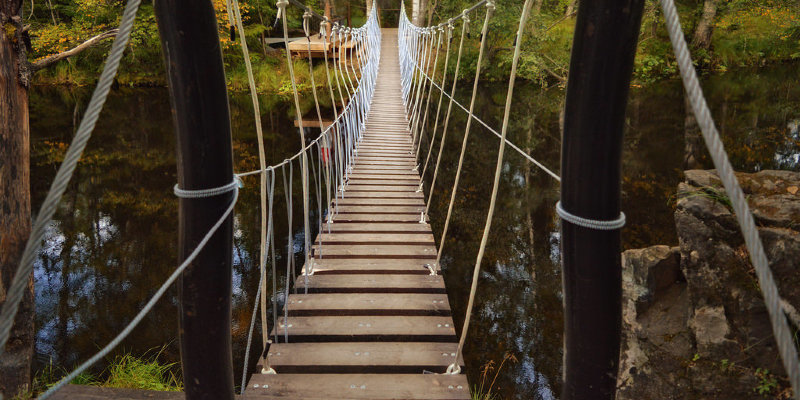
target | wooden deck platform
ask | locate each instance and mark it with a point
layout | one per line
(374, 324)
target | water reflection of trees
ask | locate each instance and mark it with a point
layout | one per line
(113, 240)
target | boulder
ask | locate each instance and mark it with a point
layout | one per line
(702, 331)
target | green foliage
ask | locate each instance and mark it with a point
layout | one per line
(131, 372)
(745, 33)
(766, 382)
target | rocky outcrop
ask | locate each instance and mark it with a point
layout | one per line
(702, 331)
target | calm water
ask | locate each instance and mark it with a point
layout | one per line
(113, 241)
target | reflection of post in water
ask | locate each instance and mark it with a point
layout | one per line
(694, 150)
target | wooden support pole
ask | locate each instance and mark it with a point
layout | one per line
(190, 43)
(603, 50)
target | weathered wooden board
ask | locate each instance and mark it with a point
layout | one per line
(361, 266)
(383, 209)
(358, 386)
(376, 238)
(367, 328)
(378, 358)
(82, 392)
(368, 304)
(374, 283)
(367, 194)
(348, 218)
(391, 251)
(377, 228)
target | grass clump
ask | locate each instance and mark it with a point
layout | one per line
(132, 372)
(483, 392)
(125, 371)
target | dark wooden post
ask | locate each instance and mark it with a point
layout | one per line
(198, 94)
(603, 50)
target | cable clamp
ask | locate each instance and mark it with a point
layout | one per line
(203, 193)
(420, 188)
(422, 219)
(268, 371)
(490, 5)
(590, 223)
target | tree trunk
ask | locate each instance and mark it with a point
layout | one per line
(418, 12)
(571, 7)
(702, 34)
(369, 7)
(15, 199)
(694, 153)
(537, 6)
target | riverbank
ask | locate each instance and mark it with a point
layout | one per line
(694, 320)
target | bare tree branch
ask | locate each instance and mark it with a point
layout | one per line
(46, 62)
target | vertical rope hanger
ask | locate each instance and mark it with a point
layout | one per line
(440, 33)
(489, 11)
(260, 295)
(448, 38)
(235, 13)
(426, 56)
(304, 157)
(465, 23)
(323, 31)
(454, 368)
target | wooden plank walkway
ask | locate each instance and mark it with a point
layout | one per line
(374, 324)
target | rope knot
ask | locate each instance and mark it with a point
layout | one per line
(281, 8)
(306, 22)
(490, 5)
(323, 28)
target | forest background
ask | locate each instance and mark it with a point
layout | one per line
(724, 34)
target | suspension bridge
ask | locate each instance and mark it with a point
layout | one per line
(366, 315)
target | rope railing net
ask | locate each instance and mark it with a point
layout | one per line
(352, 73)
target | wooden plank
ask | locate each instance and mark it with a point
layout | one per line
(391, 251)
(379, 188)
(365, 194)
(358, 386)
(368, 304)
(409, 176)
(349, 218)
(383, 209)
(385, 182)
(377, 228)
(82, 392)
(377, 358)
(367, 328)
(376, 238)
(373, 283)
(361, 266)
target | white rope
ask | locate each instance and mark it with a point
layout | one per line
(20, 280)
(202, 193)
(780, 327)
(489, 11)
(454, 368)
(601, 225)
(260, 297)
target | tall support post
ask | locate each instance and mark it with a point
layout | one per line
(603, 50)
(189, 40)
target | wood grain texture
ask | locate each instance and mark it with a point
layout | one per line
(358, 386)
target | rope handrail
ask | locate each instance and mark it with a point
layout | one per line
(508, 142)
(473, 116)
